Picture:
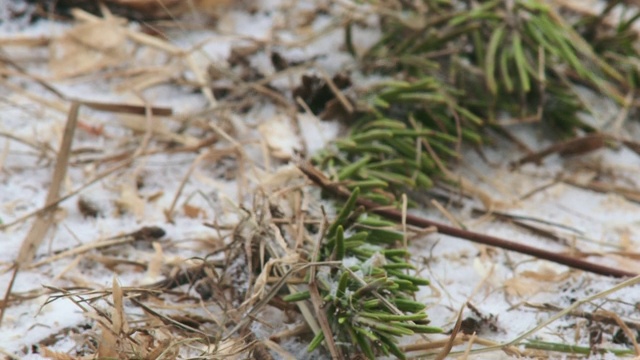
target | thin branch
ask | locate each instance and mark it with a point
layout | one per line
(390, 213)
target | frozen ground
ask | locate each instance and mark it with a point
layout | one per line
(507, 289)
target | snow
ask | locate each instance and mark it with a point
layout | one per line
(494, 281)
(598, 224)
(25, 180)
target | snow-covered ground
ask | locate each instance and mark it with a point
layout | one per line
(193, 188)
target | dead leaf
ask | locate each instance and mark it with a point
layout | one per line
(545, 273)
(521, 286)
(529, 282)
(194, 212)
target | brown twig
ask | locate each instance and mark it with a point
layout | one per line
(576, 146)
(318, 177)
(126, 108)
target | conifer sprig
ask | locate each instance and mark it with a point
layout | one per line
(369, 298)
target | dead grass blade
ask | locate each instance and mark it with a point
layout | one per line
(5, 302)
(44, 220)
(119, 323)
(316, 299)
(249, 315)
(80, 250)
(627, 331)
(25, 40)
(452, 339)
(127, 108)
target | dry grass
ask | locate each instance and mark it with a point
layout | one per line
(95, 45)
(208, 305)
